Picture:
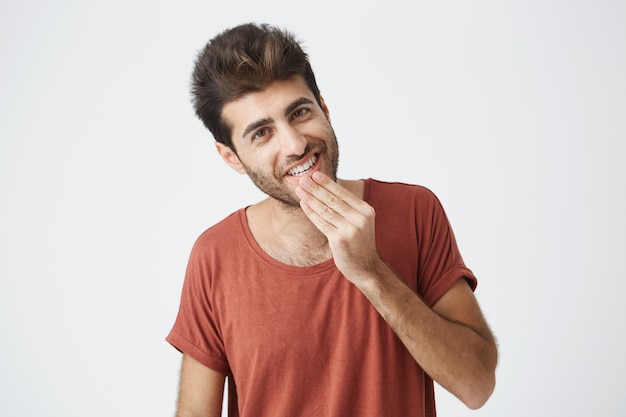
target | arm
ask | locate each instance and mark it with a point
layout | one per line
(451, 341)
(201, 390)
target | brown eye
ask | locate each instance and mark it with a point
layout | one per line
(260, 134)
(300, 112)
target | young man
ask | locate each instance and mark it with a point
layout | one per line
(330, 297)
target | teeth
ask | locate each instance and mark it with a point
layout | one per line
(301, 169)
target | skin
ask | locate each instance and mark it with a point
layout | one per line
(201, 390)
(317, 216)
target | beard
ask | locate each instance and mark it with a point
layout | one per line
(276, 189)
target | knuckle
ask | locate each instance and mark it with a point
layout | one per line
(343, 193)
(361, 222)
(334, 201)
(351, 232)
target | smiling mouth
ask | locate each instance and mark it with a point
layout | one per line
(302, 169)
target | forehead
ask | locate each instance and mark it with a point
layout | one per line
(269, 103)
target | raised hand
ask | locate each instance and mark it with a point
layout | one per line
(345, 220)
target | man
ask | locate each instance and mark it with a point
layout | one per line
(330, 297)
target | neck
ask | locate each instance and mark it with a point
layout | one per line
(289, 221)
(286, 234)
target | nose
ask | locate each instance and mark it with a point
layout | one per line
(292, 141)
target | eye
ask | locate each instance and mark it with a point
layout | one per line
(300, 112)
(261, 133)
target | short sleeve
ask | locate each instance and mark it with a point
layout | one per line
(440, 261)
(196, 331)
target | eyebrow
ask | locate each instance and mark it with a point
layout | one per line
(299, 102)
(255, 125)
(290, 108)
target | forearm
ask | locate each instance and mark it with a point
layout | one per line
(458, 356)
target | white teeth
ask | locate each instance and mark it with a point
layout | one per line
(301, 169)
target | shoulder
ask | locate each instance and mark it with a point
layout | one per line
(398, 200)
(385, 190)
(217, 249)
(224, 233)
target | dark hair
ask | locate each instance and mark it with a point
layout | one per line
(241, 60)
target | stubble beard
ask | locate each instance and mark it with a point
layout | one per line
(274, 187)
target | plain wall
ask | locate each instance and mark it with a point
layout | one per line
(512, 112)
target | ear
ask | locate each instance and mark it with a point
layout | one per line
(230, 157)
(325, 108)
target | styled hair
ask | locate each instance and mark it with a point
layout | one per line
(244, 59)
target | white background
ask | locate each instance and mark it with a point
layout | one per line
(513, 113)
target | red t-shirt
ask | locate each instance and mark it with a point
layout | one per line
(304, 341)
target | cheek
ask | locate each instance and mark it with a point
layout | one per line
(260, 160)
(328, 129)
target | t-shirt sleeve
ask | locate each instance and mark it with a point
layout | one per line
(196, 331)
(440, 261)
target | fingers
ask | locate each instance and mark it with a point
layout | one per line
(345, 220)
(325, 183)
(331, 194)
(324, 226)
(325, 201)
(321, 206)
(325, 197)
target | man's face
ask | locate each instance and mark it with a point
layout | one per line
(280, 134)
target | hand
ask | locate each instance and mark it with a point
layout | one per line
(345, 220)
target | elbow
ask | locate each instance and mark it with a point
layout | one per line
(478, 392)
(479, 395)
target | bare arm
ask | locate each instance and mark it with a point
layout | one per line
(451, 341)
(201, 390)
